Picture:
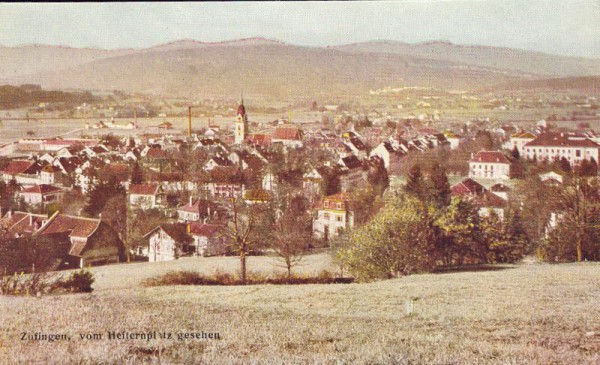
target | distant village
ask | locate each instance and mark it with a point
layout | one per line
(180, 189)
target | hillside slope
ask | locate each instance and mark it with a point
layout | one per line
(495, 57)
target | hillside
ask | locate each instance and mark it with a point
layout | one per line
(525, 314)
(482, 56)
(590, 84)
(273, 69)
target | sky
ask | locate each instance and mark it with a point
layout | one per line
(566, 27)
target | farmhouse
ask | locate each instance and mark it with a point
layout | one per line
(208, 239)
(168, 242)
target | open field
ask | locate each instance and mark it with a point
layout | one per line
(527, 314)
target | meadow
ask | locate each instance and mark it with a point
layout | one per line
(517, 314)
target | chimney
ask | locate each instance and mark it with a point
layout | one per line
(189, 228)
(30, 219)
(204, 220)
(190, 201)
(208, 210)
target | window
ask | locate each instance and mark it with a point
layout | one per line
(578, 153)
(339, 205)
(338, 218)
(326, 216)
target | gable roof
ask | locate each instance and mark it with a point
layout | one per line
(143, 189)
(79, 226)
(489, 200)
(351, 162)
(467, 186)
(287, 133)
(203, 229)
(41, 189)
(17, 167)
(490, 157)
(560, 140)
(177, 231)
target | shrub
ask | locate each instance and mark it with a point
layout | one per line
(223, 278)
(26, 284)
(78, 282)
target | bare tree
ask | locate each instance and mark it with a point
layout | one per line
(244, 233)
(290, 239)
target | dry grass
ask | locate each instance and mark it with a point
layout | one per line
(536, 314)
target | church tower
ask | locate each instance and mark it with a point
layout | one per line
(241, 124)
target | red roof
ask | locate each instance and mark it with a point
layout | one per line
(143, 189)
(560, 140)
(490, 157)
(241, 110)
(202, 229)
(260, 139)
(41, 189)
(490, 200)
(17, 167)
(79, 227)
(156, 152)
(289, 133)
(466, 187)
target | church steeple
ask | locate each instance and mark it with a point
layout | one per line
(241, 123)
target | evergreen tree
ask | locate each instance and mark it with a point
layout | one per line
(515, 153)
(100, 194)
(440, 186)
(415, 183)
(136, 174)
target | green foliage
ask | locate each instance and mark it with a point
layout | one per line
(440, 187)
(398, 241)
(100, 194)
(506, 238)
(415, 183)
(18, 96)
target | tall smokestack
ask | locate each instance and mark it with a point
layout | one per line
(189, 121)
(135, 123)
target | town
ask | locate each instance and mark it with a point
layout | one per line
(158, 193)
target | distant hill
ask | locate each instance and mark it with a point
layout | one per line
(590, 84)
(274, 69)
(495, 57)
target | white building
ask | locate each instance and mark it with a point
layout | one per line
(334, 215)
(489, 165)
(555, 146)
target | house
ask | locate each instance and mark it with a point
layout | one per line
(500, 190)
(489, 202)
(92, 242)
(555, 146)
(146, 196)
(22, 171)
(353, 173)
(208, 239)
(217, 161)
(290, 135)
(257, 196)
(200, 210)
(312, 181)
(334, 215)
(390, 153)
(489, 165)
(519, 141)
(223, 189)
(453, 138)
(42, 195)
(169, 242)
(551, 178)
(467, 187)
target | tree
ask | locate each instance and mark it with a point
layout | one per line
(462, 239)
(247, 230)
(378, 177)
(398, 241)
(515, 153)
(136, 174)
(415, 184)
(575, 237)
(291, 235)
(440, 192)
(114, 213)
(506, 237)
(100, 194)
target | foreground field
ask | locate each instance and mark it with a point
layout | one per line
(529, 314)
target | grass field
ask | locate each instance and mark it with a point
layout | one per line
(527, 314)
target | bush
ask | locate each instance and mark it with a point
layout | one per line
(78, 282)
(223, 278)
(30, 284)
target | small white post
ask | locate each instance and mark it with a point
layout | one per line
(410, 306)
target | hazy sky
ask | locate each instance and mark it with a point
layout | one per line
(560, 27)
